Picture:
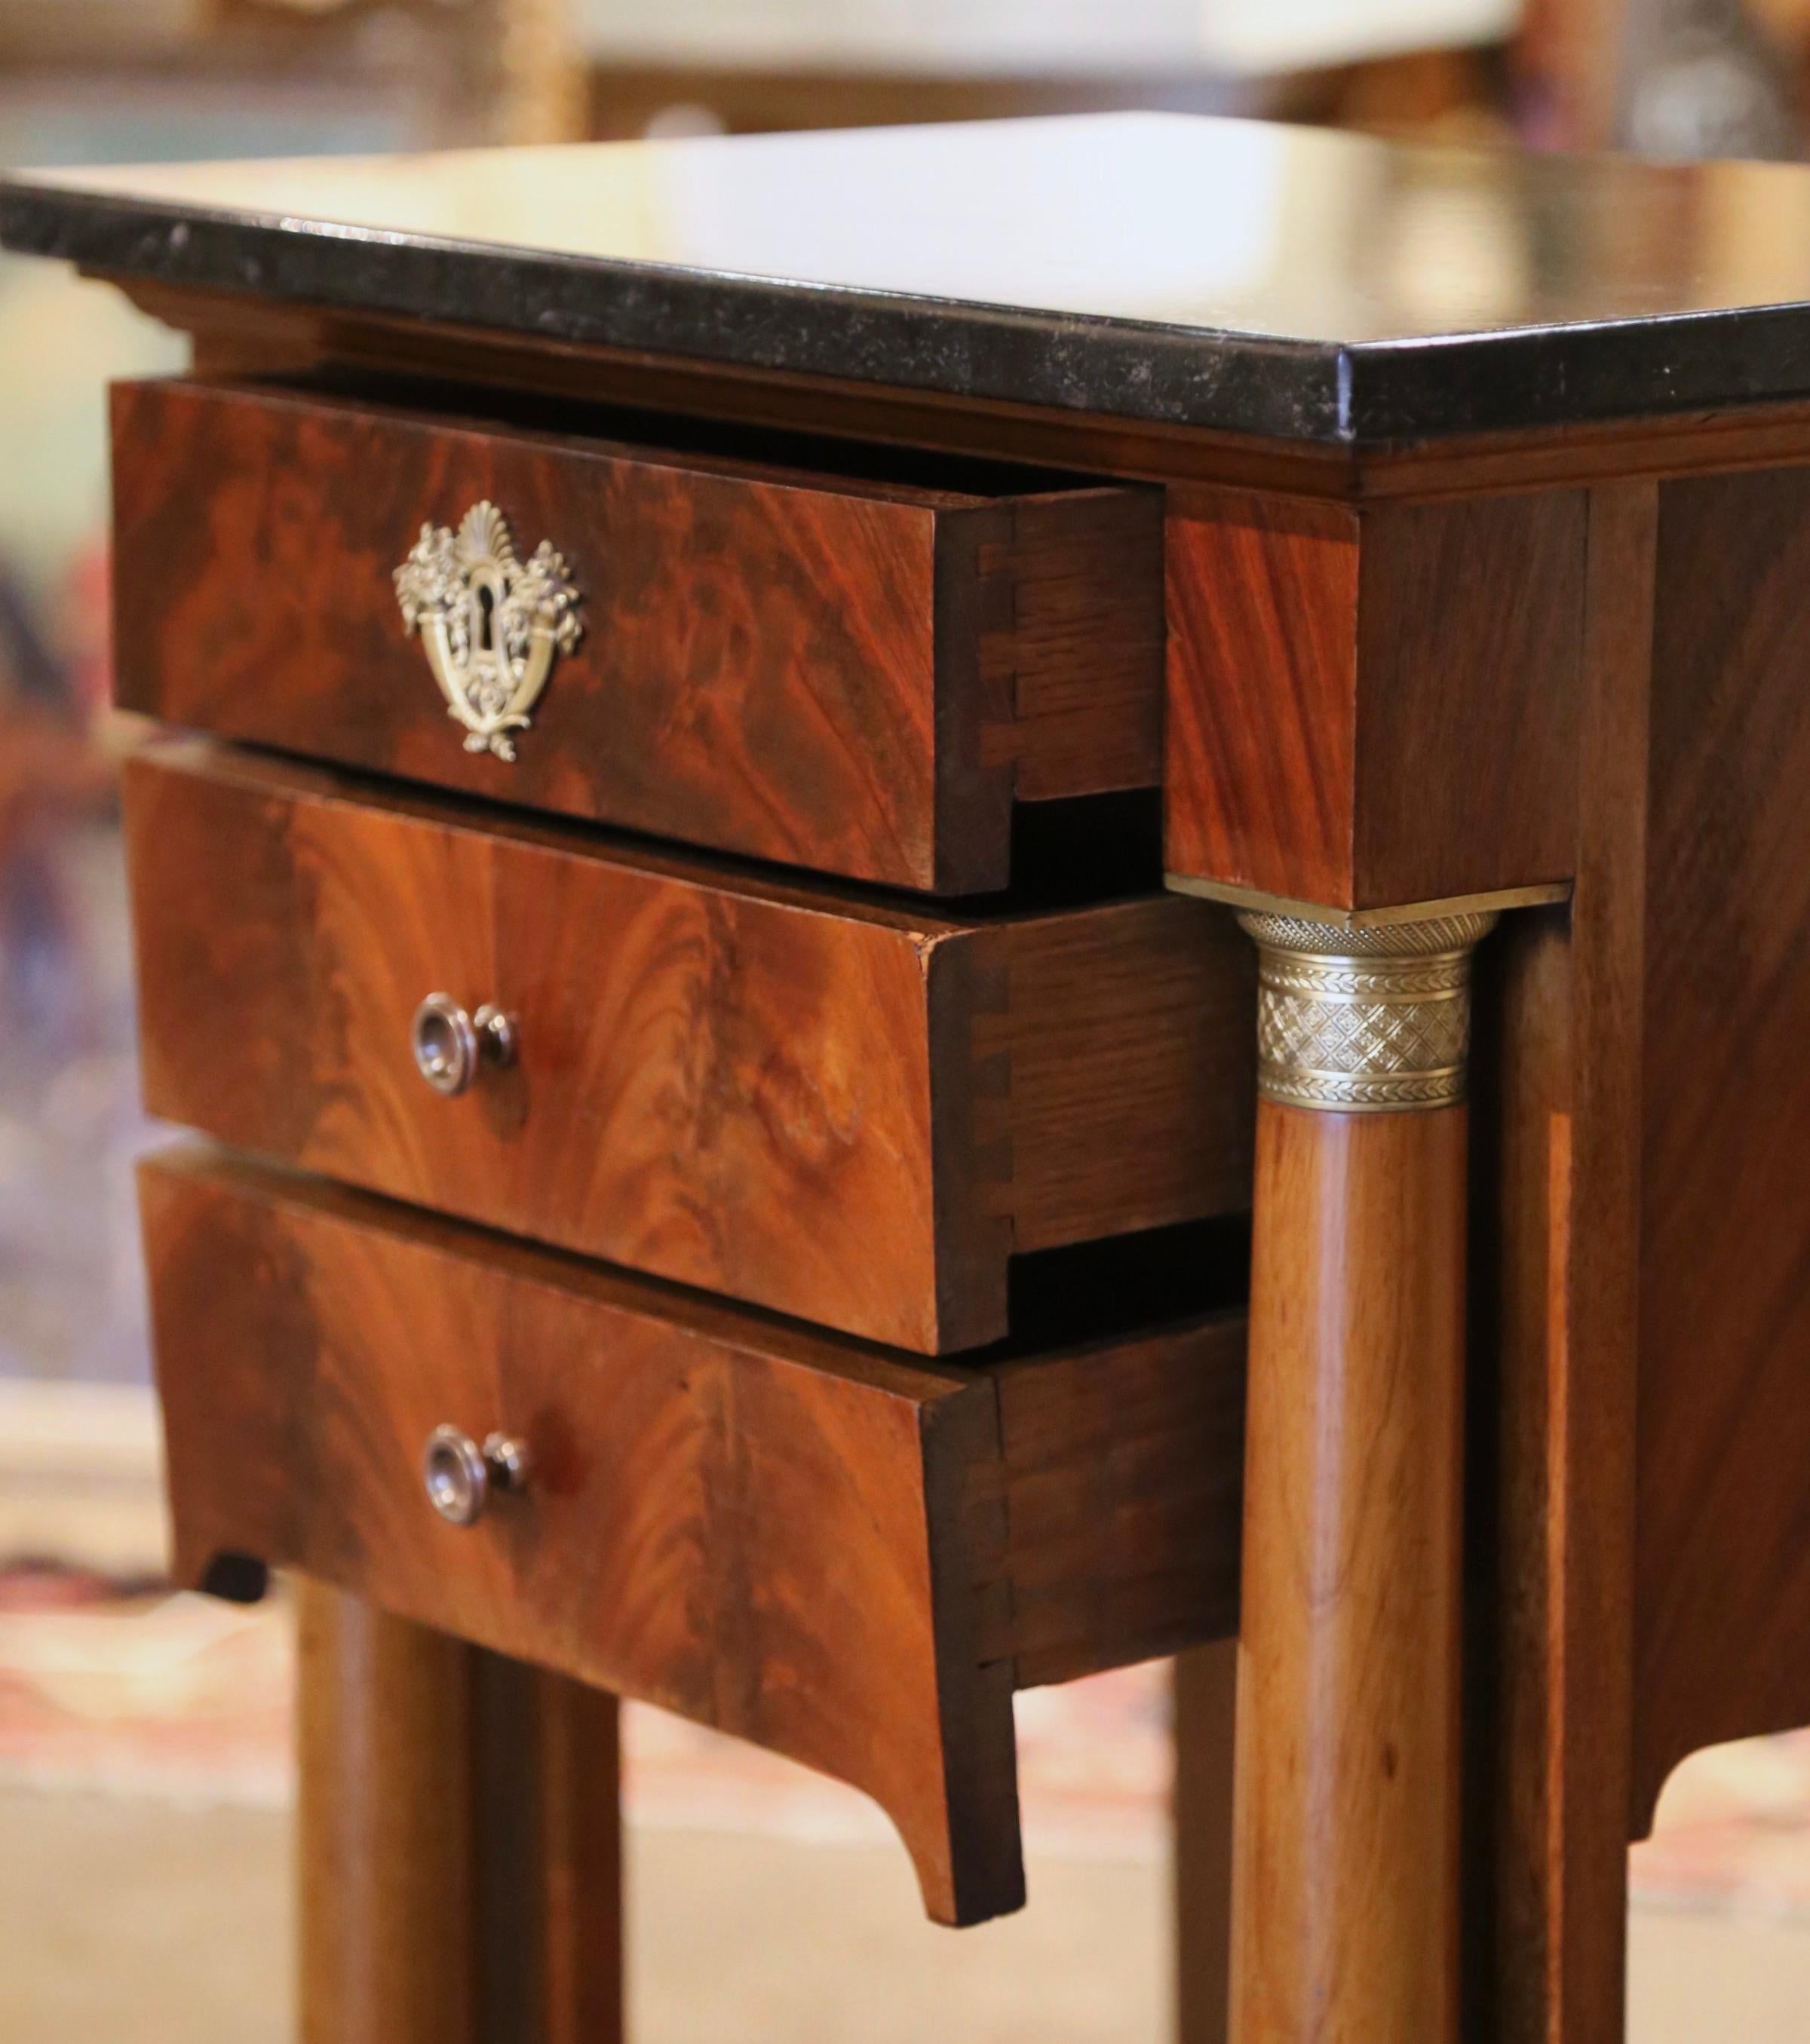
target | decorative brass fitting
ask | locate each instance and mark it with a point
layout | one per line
(1367, 1020)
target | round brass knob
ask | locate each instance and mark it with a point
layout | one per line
(461, 1478)
(450, 1045)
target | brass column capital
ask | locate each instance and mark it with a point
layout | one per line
(1366, 1019)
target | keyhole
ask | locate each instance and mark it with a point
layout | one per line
(486, 611)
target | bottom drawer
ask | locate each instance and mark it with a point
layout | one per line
(838, 1552)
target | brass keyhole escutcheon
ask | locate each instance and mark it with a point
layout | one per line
(492, 625)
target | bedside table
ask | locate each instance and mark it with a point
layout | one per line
(813, 764)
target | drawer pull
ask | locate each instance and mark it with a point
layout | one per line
(461, 1477)
(492, 625)
(450, 1045)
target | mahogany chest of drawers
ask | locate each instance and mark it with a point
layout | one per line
(950, 906)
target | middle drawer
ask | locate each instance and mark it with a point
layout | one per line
(821, 1103)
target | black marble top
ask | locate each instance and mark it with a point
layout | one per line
(1279, 280)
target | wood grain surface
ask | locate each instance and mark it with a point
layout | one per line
(1378, 706)
(834, 670)
(828, 1549)
(386, 1829)
(549, 1877)
(1558, 1332)
(1205, 1696)
(1722, 1640)
(820, 1102)
(1345, 1898)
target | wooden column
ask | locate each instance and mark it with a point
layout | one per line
(457, 1832)
(1344, 1907)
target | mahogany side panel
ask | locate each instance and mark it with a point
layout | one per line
(1557, 1252)
(1470, 693)
(813, 1101)
(823, 1547)
(852, 675)
(1108, 1530)
(1723, 1583)
(1373, 706)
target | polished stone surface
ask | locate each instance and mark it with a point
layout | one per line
(1283, 282)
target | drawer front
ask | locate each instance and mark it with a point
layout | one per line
(856, 677)
(830, 1107)
(849, 1558)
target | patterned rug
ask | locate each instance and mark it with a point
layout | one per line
(134, 1690)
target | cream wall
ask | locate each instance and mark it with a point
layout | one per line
(968, 35)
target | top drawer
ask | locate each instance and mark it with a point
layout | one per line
(859, 676)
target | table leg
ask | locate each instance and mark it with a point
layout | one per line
(1206, 1683)
(1345, 1913)
(459, 1851)
(550, 1872)
(385, 1828)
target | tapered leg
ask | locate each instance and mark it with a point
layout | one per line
(459, 1843)
(1346, 1830)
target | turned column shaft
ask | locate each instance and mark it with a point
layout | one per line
(1345, 1831)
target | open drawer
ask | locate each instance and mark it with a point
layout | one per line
(835, 1551)
(813, 1099)
(857, 670)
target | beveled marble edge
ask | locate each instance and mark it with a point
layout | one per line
(1338, 395)
(1069, 361)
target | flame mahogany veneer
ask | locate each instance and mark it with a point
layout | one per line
(839, 1552)
(835, 670)
(825, 1103)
